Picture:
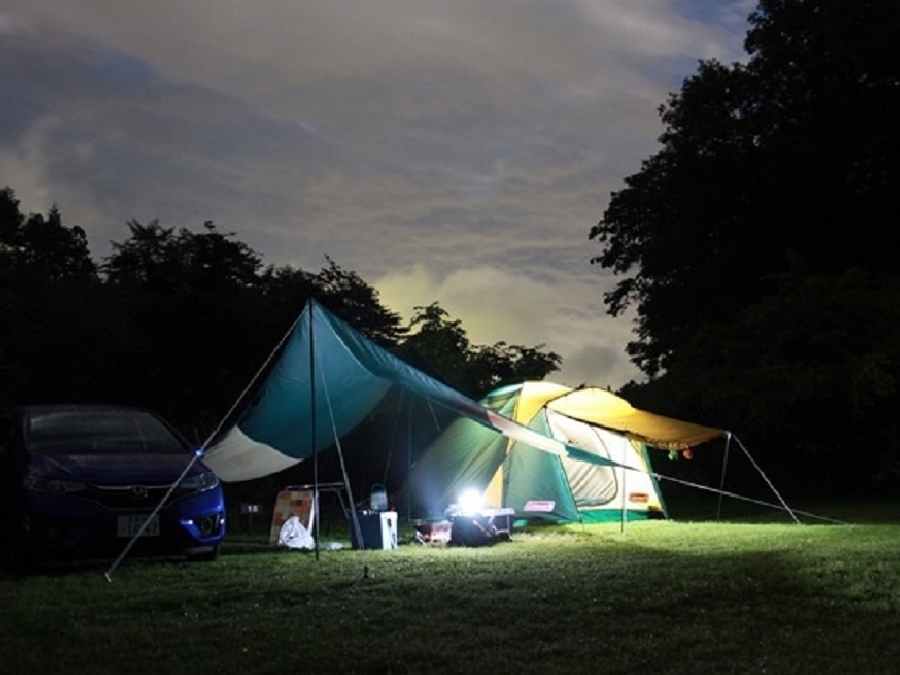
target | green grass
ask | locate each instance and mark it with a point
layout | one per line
(675, 597)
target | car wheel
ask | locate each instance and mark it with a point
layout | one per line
(205, 556)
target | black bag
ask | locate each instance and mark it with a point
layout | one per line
(472, 531)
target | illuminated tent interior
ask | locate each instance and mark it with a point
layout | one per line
(514, 475)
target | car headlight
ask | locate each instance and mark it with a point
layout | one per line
(202, 481)
(38, 483)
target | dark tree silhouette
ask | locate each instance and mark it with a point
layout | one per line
(179, 320)
(758, 243)
(439, 345)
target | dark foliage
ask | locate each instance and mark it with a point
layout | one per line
(758, 243)
(439, 345)
(179, 321)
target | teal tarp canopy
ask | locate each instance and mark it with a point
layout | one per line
(271, 431)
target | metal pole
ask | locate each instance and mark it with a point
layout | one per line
(409, 445)
(337, 444)
(624, 494)
(437, 424)
(395, 435)
(759, 502)
(312, 423)
(200, 451)
(766, 478)
(137, 535)
(724, 469)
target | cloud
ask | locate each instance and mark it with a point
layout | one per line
(27, 161)
(10, 24)
(293, 40)
(457, 151)
(108, 138)
(513, 306)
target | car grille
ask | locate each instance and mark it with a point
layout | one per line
(127, 496)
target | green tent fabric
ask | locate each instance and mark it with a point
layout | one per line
(586, 483)
(467, 469)
(352, 375)
(532, 475)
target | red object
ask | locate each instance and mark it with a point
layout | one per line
(687, 453)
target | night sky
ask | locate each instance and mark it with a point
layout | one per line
(454, 151)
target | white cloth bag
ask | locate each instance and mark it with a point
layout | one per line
(294, 535)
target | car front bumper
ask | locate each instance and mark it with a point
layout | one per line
(80, 525)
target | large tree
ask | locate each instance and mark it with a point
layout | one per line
(783, 165)
(49, 332)
(758, 243)
(440, 345)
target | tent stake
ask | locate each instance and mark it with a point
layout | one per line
(724, 469)
(312, 424)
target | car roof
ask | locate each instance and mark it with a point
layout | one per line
(24, 412)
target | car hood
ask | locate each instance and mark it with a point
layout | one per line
(112, 469)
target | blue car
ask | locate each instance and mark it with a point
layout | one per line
(85, 478)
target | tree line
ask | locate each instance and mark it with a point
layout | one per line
(758, 245)
(179, 320)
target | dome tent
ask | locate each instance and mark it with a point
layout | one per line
(510, 473)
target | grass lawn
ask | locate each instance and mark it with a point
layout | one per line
(664, 597)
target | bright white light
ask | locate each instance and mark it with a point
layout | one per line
(471, 500)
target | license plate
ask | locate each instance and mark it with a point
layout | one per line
(130, 525)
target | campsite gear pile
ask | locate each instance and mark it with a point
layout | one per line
(433, 531)
(481, 528)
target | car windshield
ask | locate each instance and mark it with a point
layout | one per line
(93, 431)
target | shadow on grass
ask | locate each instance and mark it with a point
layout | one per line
(665, 597)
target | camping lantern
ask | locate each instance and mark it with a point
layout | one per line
(470, 501)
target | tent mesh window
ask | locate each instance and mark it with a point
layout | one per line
(591, 485)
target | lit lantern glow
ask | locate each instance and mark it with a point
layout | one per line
(470, 500)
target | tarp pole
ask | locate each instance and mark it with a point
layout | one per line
(409, 462)
(198, 453)
(624, 494)
(724, 469)
(137, 535)
(437, 425)
(395, 434)
(766, 478)
(337, 443)
(312, 424)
